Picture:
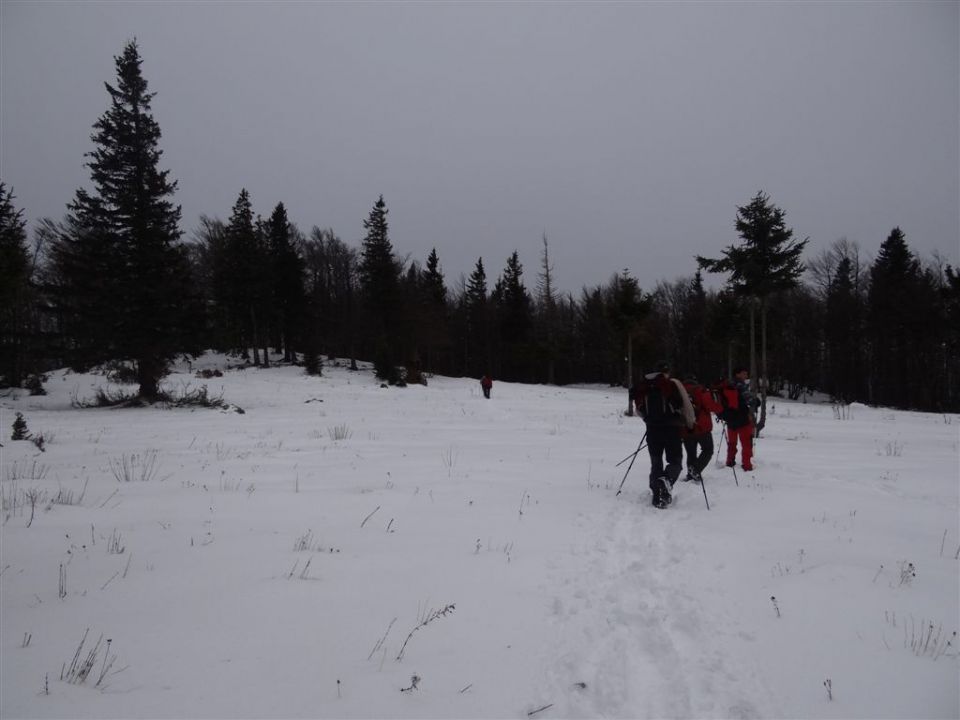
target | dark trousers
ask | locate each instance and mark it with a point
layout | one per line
(664, 442)
(486, 393)
(703, 443)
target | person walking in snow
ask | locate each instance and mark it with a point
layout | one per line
(738, 403)
(666, 409)
(698, 441)
(486, 384)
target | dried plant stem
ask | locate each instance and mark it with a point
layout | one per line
(104, 586)
(381, 640)
(431, 616)
(369, 516)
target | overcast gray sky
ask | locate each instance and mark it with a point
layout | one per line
(627, 132)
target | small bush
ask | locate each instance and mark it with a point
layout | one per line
(133, 467)
(121, 373)
(34, 383)
(200, 396)
(106, 398)
(20, 431)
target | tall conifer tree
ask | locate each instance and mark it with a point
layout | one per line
(123, 273)
(379, 284)
(767, 262)
(14, 287)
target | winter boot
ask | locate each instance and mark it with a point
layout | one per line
(666, 494)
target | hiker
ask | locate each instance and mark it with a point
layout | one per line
(486, 383)
(737, 413)
(666, 409)
(700, 438)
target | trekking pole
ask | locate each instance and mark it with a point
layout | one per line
(733, 467)
(639, 447)
(704, 486)
(633, 454)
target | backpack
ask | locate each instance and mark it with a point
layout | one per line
(659, 402)
(734, 413)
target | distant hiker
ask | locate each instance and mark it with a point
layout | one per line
(486, 383)
(700, 438)
(666, 409)
(737, 413)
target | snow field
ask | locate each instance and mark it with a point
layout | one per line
(271, 570)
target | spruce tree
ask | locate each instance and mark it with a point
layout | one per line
(478, 340)
(287, 280)
(514, 318)
(244, 280)
(767, 262)
(379, 284)
(14, 289)
(842, 333)
(435, 312)
(124, 277)
(899, 310)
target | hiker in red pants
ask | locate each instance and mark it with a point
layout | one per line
(737, 401)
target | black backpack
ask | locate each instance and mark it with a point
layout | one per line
(660, 402)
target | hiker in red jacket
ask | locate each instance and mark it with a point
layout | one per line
(738, 405)
(486, 384)
(700, 437)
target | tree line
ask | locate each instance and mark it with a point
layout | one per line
(116, 280)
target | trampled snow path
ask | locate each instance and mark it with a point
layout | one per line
(636, 638)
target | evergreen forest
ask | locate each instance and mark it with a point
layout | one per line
(118, 280)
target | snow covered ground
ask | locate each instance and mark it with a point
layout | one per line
(311, 556)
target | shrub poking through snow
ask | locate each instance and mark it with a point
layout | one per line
(414, 682)
(429, 618)
(907, 572)
(128, 468)
(201, 397)
(339, 432)
(81, 669)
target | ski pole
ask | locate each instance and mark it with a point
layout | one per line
(639, 447)
(703, 485)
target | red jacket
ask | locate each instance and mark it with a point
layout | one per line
(703, 405)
